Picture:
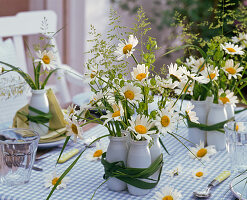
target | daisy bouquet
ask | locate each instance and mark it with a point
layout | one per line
(44, 63)
(128, 94)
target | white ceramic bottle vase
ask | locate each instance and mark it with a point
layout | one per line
(201, 108)
(230, 111)
(117, 151)
(217, 113)
(138, 157)
(155, 151)
(39, 101)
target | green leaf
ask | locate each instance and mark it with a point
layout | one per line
(26, 77)
(47, 78)
(71, 166)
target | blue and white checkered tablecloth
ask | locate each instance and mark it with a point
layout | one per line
(86, 176)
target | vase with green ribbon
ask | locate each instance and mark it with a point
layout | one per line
(40, 102)
(117, 151)
(155, 152)
(196, 135)
(217, 114)
(138, 157)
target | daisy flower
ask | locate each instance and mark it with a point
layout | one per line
(166, 120)
(168, 83)
(175, 172)
(202, 152)
(74, 128)
(232, 49)
(176, 72)
(89, 140)
(190, 61)
(126, 48)
(185, 87)
(168, 193)
(117, 113)
(47, 59)
(227, 97)
(95, 153)
(231, 70)
(91, 74)
(241, 37)
(51, 180)
(198, 64)
(191, 114)
(199, 173)
(70, 111)
(95, 99)
(211, 73)
(240, 127)
(141, 127)
(82, 111)
(131, 92)
(140, 72)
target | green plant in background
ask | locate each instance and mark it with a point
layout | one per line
(164, 13)
(214, 49)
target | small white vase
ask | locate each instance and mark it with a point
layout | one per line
(201, 108)
(39, 101)
(230, 111)
(117, 151)
(138, 157)
(217, 113)
(155, 151)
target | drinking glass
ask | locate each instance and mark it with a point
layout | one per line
(17, 154)
(236, 144)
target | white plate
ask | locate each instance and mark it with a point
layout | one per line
(239, 190)
(51, 144)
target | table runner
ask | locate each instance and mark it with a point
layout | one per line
(86, 176)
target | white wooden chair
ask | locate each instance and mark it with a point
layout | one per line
(29, 23)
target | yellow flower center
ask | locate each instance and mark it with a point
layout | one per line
(231, 70)
(237, 127)
(127, 48)
(202, 152)
(141, 129)
(168, 197)
(74, 129)
(199, 174)
(165, 121)
(98, 153)
(141, 76)
(93, 74)
(224, 100)
(116, 114)
(211, 76)
(231, 49)
(46, 59)
(54, 181)
(129, 94)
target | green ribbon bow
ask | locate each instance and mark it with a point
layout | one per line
(132, 176)
(41, 118)
(214, 127)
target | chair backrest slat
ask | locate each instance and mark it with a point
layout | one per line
(20, 52)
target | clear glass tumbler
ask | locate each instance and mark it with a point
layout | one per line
(236, 144)
(17, 154)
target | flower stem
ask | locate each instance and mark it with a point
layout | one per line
(134, 58)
